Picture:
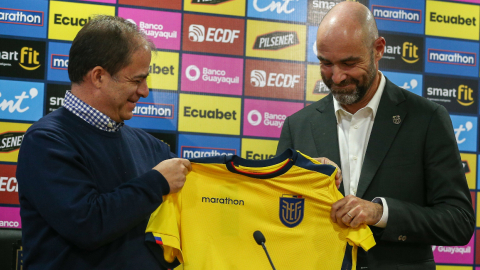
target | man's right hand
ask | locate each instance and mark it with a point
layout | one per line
(175, 171)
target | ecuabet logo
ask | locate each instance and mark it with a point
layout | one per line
(453, 20)
(292, 209)
(452, 57)
(198, 152)
(397, 14)
(212, 74)
(21, 100)
(163, 71)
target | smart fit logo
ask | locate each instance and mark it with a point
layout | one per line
(29, 58)
(465, 95)
(409, 52)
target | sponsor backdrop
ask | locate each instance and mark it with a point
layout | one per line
(227, 73)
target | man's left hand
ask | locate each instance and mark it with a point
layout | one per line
(338, 176)
(352, 211)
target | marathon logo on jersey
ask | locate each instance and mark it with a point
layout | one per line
(10, 141)
(276, 41)
(199, 152)
(213, 34)
(265, 118)
(465, 129)
(55, 96)
(22, 58)
(59, 61)
(21, 100)
(18, 16)
(452, 57)
(283, 10)
(456, 95)
(271, 80)
(291, 210)
(209, 2)
(211, 74)
(154, 110)
(453, 20)
(403, 52)
(10, 217)
(397, 14)
(8, 185)
(66, 18)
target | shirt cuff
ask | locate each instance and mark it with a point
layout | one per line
(382, 223)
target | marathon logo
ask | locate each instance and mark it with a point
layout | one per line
(10, 141)
(320, 88)
(257, 156)
(60, 19)
(198, 152)
(210, 75)
(197, 33)
(59, 61)
(452, 19)
(397, 14)
(258, 78)
(18, 16)
(254, 117)
(209, 2)
(276, 40)
(154, 30)
(452, 57)
(217, 114)
(8, 184)
(154, 110)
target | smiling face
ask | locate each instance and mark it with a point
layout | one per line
(125, 88)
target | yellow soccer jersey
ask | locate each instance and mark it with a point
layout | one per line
(210, 223)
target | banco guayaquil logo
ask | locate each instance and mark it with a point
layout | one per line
(403, 52)
(22, 58)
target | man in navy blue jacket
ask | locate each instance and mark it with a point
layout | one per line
(87, 182)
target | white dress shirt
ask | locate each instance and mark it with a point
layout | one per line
(353, 136)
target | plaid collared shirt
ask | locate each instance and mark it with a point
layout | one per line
(90, 114)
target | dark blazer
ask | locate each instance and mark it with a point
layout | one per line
(415, 165)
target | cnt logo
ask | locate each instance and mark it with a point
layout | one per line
(16, 106)
(276, 40)
(452, 57)
(154, 110)
(397, 14)
(19, 16)
(218, 76)
(258, 78)
(463, 94)
(279, 7)
(460, 129)
(154, 30)
(59, 61)
(11, 141)
(209, 2)
(408, 51)
(254, 117)
(410, 86)
(197, 152)
(197, 33)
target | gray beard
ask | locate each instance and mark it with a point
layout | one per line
(347, 99)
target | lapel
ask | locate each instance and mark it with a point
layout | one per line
(324, 128)
(383, 133)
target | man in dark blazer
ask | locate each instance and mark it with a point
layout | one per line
(397, 151)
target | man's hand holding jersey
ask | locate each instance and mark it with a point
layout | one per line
(175, 171)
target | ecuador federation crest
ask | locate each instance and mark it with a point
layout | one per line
(291, 211)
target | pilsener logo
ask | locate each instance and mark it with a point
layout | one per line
(259, 79)
(397, 14)
(197, 33)
(59, 61)
(209, 2)
(19, 16)
(452, 57)
(197, 152)
(10, 141)
(154, 110)
(276, 40)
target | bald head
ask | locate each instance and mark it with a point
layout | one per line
(349, 20)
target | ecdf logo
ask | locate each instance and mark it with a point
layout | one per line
(19, 16)
(276, 41)
(59, 61)
(154, 110)
(254, 117)
(452, 57)
(10, 141)
(197, 152)
(197, 33)
(259, 79)
(397, 14)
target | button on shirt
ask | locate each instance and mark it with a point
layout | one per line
(353, 136)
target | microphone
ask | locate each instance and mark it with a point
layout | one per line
(260, 239)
